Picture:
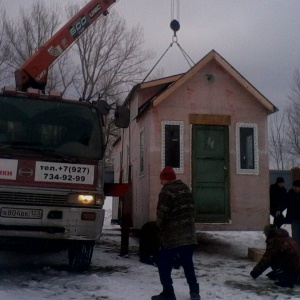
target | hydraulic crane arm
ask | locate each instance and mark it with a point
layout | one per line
(33, 73)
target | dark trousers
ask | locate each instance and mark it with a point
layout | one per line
(295, 226)
(282, 277)
(165, 264)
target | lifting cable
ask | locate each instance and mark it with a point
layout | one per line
(175, 26)
(175, 16)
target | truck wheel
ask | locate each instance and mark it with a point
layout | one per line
(80, 255)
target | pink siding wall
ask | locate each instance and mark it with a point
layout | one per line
(140, 181)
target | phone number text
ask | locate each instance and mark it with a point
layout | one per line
(64, 177)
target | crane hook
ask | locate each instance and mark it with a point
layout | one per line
(175, 26)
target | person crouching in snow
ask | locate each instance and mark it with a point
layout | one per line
(175, 220)
(282, 255)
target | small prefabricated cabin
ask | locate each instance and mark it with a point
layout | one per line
(210, 124)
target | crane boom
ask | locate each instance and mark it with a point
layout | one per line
(33, 73)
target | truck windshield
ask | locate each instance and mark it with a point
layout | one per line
(66, 128)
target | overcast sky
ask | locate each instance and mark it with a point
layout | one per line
(259, 38)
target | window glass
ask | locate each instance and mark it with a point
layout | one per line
(53, 126)
(247, 149)
(172, 145)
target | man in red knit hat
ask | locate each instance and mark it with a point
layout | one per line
(175, 220)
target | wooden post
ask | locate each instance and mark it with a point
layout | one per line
(126, 222)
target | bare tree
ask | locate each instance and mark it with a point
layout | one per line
(277, 141)
(280, 152)
(293, 120)
(4, 51)
(63, 75)
(112, 60)
(284, 133)
(29, 32)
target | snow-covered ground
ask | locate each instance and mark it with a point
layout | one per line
(221, 264)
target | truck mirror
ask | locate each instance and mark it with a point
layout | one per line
(103, 107)
(122, 117)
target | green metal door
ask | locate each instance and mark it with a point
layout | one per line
(210, 173)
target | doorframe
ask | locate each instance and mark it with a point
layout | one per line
(217, 120)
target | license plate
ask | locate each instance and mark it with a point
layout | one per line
(21, 213)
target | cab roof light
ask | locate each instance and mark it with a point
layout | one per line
(9, 90)
(55, 94)
(33, 92)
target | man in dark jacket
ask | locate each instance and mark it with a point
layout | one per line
(278, 201)
(282, 255)
(293, 210)
(175, 220)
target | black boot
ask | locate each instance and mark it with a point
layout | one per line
(286, 280)
(194, 291)
(272, 275)
(166, 294)
(288, 284)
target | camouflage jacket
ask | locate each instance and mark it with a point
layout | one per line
(175, 215)
(282, 253)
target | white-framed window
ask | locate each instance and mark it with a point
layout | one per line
(142, 152)
(172, 145)
(247, 149)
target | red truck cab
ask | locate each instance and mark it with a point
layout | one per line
(51, 174)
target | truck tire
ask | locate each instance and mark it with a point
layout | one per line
(80, 255)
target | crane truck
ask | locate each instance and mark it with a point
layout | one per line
(51, 156)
